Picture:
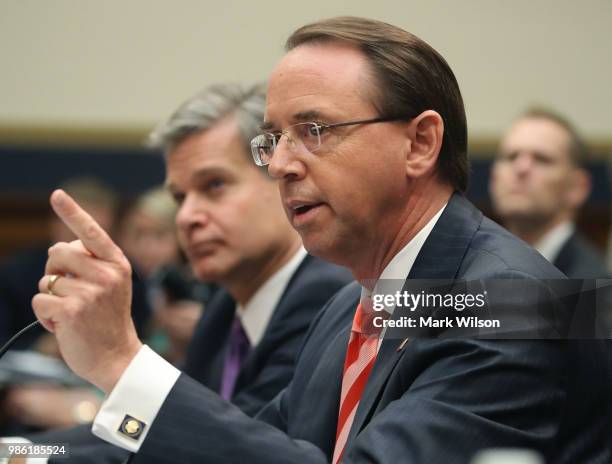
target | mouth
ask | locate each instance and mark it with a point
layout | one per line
(303, 209)
(201, 250)
(301, 212)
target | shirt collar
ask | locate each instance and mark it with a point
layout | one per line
(257, 312)
(398, 269)
(550, 245)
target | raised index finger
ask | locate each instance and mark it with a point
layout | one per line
(93, 237)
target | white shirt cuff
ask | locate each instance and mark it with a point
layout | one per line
(128, 412)
(22, 441)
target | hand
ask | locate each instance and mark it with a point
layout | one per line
(89, 311)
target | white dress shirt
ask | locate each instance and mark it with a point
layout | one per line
(256, 314)
(550, 245)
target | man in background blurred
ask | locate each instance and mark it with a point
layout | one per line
(147, 235)
(538, 184)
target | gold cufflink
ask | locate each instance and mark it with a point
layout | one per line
(131, 427)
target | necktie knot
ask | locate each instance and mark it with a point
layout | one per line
(239, 341)
(367, 321)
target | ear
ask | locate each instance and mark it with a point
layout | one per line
(426, 132)
(579, 188)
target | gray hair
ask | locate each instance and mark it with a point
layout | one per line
(208, 107)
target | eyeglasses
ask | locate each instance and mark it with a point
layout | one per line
(309, 135)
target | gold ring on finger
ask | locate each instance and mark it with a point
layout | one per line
(54, 278)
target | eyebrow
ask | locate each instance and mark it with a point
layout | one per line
(302, 116)
(306, 116)
(198, 174)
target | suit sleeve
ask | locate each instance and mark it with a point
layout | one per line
(196, 425)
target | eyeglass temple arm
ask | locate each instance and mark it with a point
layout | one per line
(366, 121)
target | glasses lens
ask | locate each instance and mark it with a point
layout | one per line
(262, 148)
(309, 133)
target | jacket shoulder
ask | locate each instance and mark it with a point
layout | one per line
(494, 251)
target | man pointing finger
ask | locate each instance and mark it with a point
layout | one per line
(85, 299)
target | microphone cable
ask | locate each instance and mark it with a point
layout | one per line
(7, 346)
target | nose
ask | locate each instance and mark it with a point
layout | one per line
(285, 162)
(191, 214)
(523, 163)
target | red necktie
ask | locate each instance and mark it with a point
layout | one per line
(360, 358)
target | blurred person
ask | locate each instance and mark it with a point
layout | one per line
(539, 181)
(538, 184)
(365, 132)
(147, 235)
(146, 232)
(175, 318)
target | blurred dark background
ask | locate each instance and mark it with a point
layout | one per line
(30, 173)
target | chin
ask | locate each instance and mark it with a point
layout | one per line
(325, 247)
(208, 273)
(515, 211)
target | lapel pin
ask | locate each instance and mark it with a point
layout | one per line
(403, 344)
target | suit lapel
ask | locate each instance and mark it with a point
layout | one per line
(253, 358)
(439, 258)
(222, 326)
(444, 249)
(320, 384)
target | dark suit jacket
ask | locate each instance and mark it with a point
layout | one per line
(269, 367)
(578, 259)
(435, 401)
